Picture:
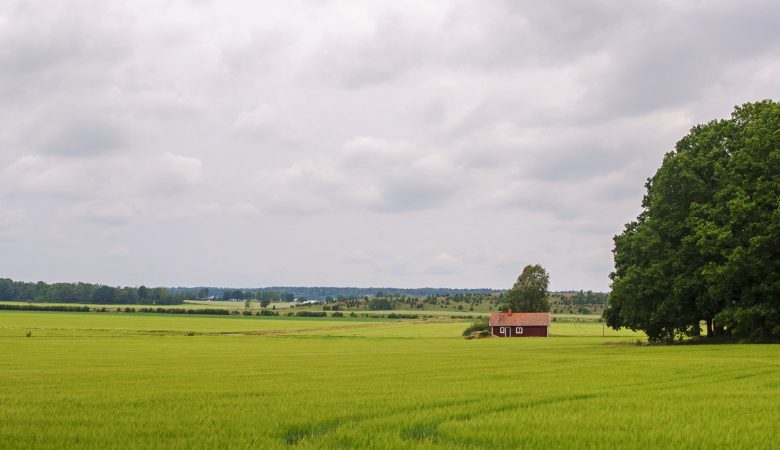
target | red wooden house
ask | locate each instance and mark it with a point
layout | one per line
(510, 324)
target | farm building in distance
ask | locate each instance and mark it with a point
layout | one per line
(510, 324)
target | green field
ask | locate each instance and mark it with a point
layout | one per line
(90, 380)
(284, 308)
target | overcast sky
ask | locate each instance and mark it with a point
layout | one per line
(351, 143)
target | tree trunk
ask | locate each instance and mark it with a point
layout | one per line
(709, 328)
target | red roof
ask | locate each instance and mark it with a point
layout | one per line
(499, 319)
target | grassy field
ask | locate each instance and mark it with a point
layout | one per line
(285, 307)
(187, 305)
(88, 380)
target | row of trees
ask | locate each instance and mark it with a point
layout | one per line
(269, 296)
(706, 246)
(86, 293)
(335, 293)
(590, 298)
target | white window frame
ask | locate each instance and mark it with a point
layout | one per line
(519, 330)
(503, 330)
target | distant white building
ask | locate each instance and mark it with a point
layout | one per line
(311, 302)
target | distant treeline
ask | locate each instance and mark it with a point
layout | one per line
(590, 298)
(86, 293)
(320, 293)
(70, 308)
(100, 294)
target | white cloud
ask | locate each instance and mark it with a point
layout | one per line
(13, 223)
(111, 212)
(444, 263)
(54, 176)
(367, 173)
(171, 171)
(119, 251)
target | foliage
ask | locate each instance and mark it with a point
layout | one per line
(60, 308)
(708, 238)
(590, 298)
(311, 314)
(85, 308)
(755, 324)
(399, 316)
(479, 325)
(529, 293)
(85, 293)
(379, 304)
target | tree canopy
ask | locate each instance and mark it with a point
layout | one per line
(529, 293)
(85, 293)
(706, 246)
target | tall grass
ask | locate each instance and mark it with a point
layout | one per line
(125, 381)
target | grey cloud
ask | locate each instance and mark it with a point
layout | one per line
(388, 52)
(13, 222)
(488, 37)
(47, 47)
(84, 138)
(368, 174)
(512, 34)
(413, 193)
(484, 123)
(262, 51)
(663, 64)
(113, 212)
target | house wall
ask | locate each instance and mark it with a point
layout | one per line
(527, 332)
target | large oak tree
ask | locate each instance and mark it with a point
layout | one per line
(706, 246)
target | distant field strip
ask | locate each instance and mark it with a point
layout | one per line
(94, 381)
(58, 324)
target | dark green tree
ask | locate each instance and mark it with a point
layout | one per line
(529, 293)
(103, 294)
(708, 238)
(379, 304)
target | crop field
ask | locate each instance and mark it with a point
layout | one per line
(104, 380)
(284, 308)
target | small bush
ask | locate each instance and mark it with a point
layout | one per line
(29, 334)
(479, 325)
(402, 316)
(337, 314)
(58, 308)
(311, 314)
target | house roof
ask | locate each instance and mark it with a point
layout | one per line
(499, 319)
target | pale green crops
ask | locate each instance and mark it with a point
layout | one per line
(99, 381)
